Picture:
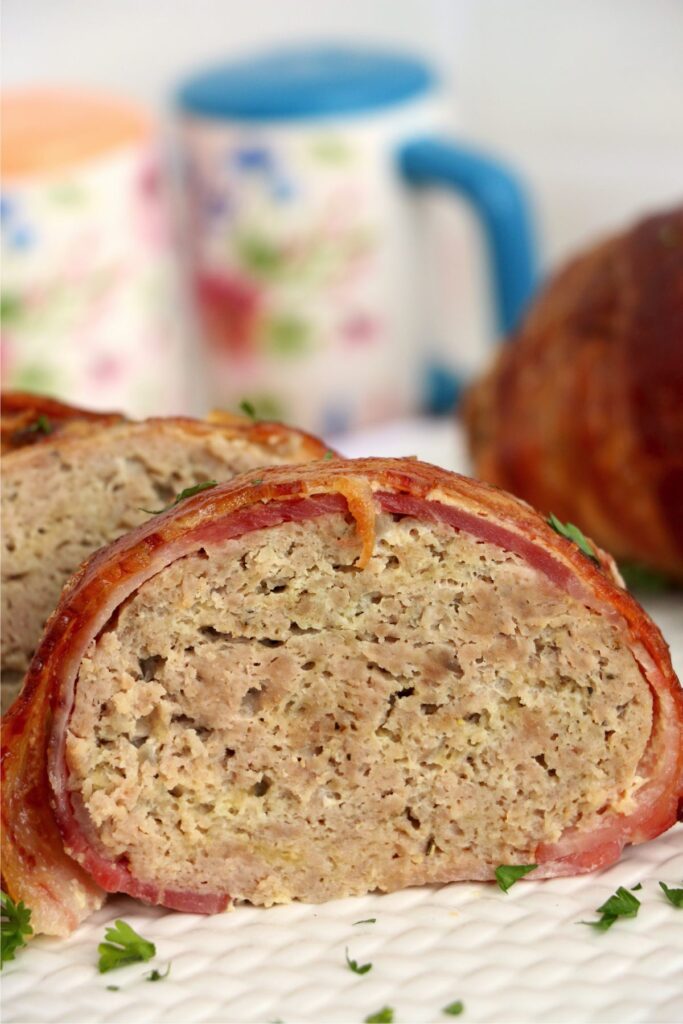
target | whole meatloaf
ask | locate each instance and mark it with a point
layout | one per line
(582, 414)
(320, 681)
(73, 480)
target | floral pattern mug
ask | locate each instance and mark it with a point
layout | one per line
(87, 271)
(299, 232)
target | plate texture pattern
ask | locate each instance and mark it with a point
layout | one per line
(520, 956)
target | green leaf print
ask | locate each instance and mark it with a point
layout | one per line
(260, 256)
(288, 335)
(331, 150)
(10, 309)
(68, 193)
(41, 380)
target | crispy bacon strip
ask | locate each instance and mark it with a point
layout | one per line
(28, 419)
(20, 423)
(40, 818)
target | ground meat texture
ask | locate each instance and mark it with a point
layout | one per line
(62, 501)
(264, 719)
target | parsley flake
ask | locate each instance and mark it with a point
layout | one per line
(508, 874)
(248, 409)
(383, 1016)
(328, 454)
(621, 904)
(355, 966)
(123, 946)
(41, 426)
(189, 492)
(255, 483)
(635, 888)
(156, 975)
(674, 896)
(113, 988)
(368, 920)
(573, 533)
(16, 918)
(454, 1009)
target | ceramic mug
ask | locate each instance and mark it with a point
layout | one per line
(87, 261)
(299, 168)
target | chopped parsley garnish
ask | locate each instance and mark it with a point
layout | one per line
(367, 920)
(156, 975)
(248, 409)
(454, 1009)
(16, 925)
(255, 483)
(573, 533)
(635, 888)
(113, 988)
(189, 492)
(328, 455)
(383, 1016)
(41, 426)
(622, 904)
(674, 896)
(508, 874)
(123, 946)
(356, 967)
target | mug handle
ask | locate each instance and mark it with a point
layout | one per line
(500, 202)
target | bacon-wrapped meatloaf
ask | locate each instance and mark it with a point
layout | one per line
(582, 414)
(318, 681)
(73, 480)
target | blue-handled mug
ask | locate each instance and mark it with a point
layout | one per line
(300, 169)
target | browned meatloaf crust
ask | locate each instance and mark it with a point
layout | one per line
(80, 479)
(28, 419)
(318, 681)
(582, 414)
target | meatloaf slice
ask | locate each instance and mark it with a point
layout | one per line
(84, 481)
(316, 682)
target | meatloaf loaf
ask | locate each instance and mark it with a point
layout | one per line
(73, 480)
(582, 414)
(319, 681)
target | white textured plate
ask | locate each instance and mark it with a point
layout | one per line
(521, 957)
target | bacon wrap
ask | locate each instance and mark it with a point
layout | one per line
(21, 413)
(49, 860)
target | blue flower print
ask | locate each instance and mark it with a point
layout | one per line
(253, 158)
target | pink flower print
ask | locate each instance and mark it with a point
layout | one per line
(150, 180)
(7, 360)
(149, 214)
(105, 370)
(360, 329)
(230, 311)
(343, 207)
